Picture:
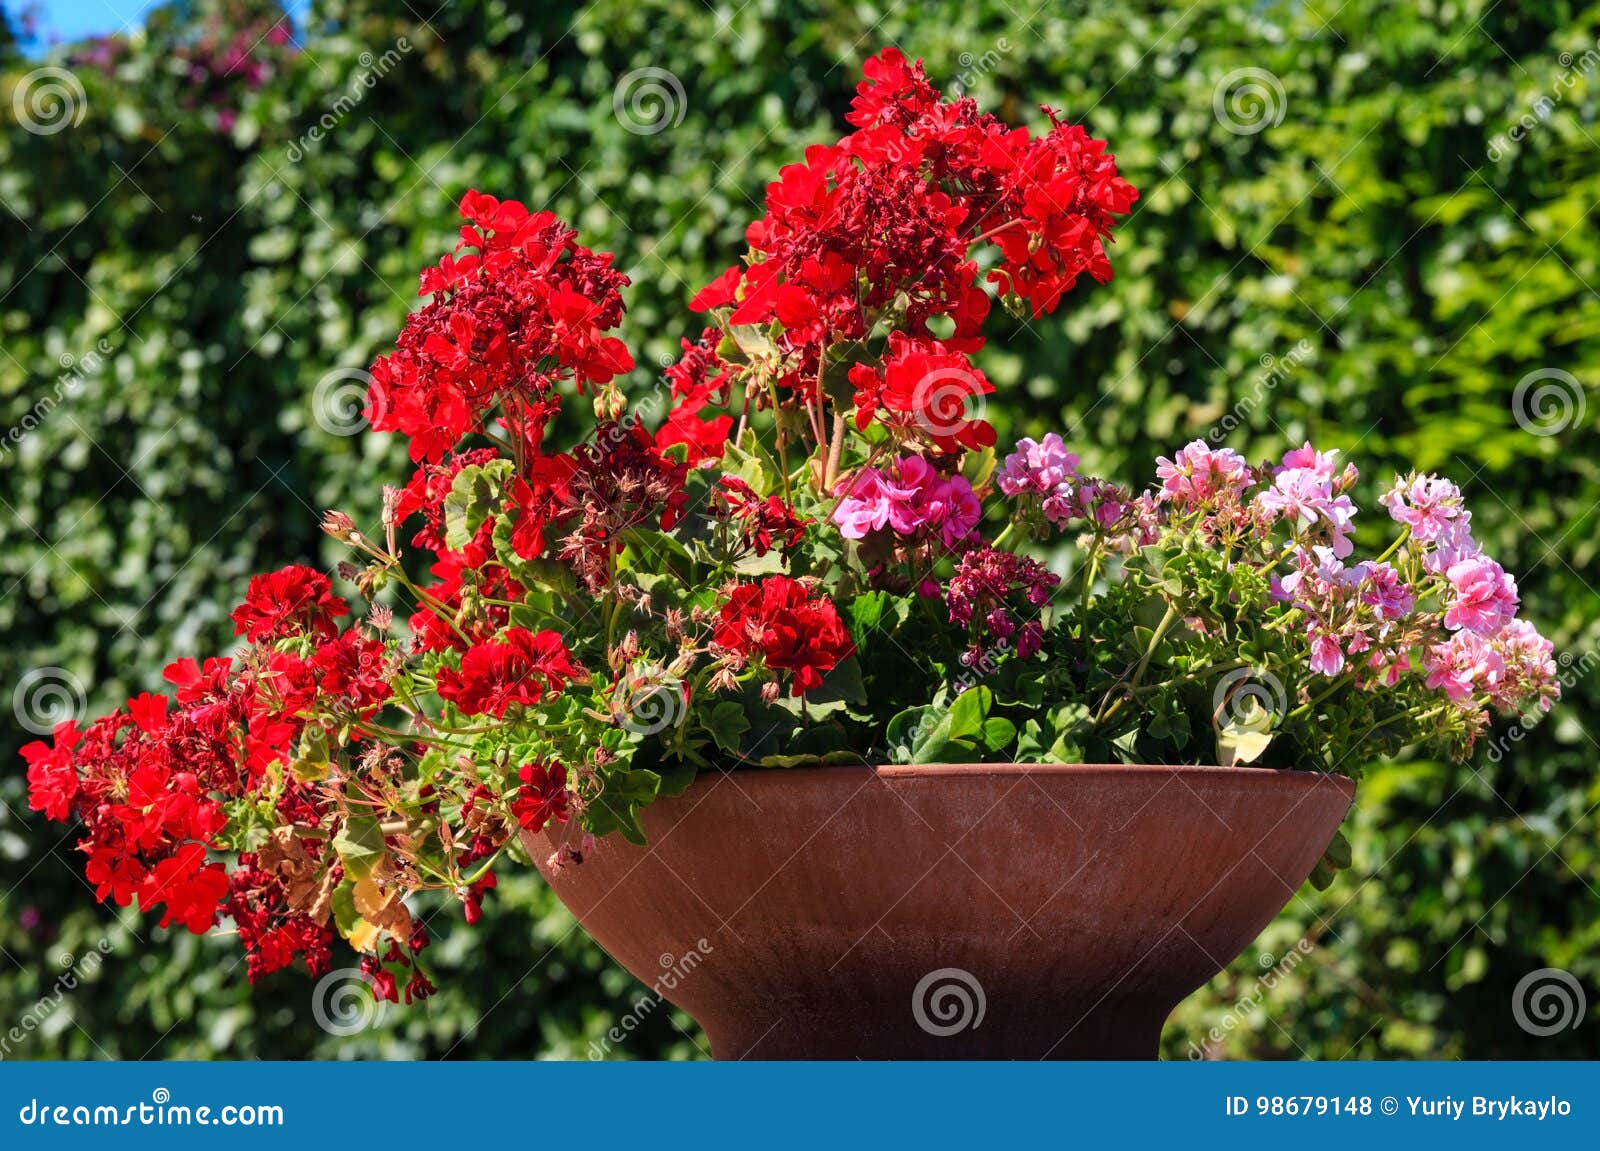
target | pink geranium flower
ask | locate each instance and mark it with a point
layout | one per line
(866, 508)
(1483, 596)
(1307, 495)
(1466, 663)
(1198, 475)
(1425, 504)
(1037, 466)
(919, 500)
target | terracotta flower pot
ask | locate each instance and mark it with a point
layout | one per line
(989, 911)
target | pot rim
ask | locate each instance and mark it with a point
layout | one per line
(935, 770)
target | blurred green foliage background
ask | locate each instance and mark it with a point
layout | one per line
(1369, 239)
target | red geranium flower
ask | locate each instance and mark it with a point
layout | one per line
(791, 630)
(519, 668)
(52, 778)
(542, 797)
(191, 888)
(291, 601)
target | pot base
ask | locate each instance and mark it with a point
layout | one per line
(987, 911)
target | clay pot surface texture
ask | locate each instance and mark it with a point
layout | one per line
(972, 911)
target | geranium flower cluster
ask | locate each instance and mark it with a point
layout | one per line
(811, 552)
(1431, 612)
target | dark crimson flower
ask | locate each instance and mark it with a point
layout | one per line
(762, 524)
(988, 587)
(519, 309)
(355, 668)
(472, 900)
(779, 621)
(620, 480)
(291, 601)
(273, 935)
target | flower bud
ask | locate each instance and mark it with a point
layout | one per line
(340, 526)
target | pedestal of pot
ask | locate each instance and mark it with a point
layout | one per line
(991, 911)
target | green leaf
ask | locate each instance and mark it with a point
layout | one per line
(998, 732)
(360, 845)
(969, 711)
(474, 496)
(1338, 855)
(727, 724)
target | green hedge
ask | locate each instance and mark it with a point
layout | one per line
(1407, 236)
